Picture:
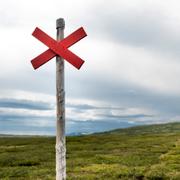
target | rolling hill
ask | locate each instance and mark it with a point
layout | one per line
(143, 152)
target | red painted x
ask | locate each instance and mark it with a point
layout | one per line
(58, 48)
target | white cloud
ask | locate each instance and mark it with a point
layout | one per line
(118, 62)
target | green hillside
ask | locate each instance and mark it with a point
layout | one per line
(144, 152)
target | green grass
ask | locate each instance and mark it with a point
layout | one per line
(145, 152)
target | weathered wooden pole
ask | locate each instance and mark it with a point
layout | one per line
(58, 50)
(60, 100)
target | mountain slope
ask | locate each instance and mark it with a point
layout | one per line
(154, 128)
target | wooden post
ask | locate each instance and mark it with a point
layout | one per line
(60, 100)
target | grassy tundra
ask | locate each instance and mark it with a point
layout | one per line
(144, 152)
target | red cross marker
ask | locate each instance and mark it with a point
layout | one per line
(58, 48)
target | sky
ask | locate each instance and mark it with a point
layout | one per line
(130, 75)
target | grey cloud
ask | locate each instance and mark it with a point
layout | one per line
(125, 95)
(26, 124)
(146, 27)
(130, 116)
(25, 104)
(106, 114)
(11, 117)
(82, 107)
(27, 80)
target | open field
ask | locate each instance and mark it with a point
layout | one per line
(146, 152)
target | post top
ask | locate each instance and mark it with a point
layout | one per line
(60, 23)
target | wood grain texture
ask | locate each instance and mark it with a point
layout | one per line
(60, 100)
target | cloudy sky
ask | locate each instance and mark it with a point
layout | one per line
(130, 75)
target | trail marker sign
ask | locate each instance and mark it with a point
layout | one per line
(59, 49)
